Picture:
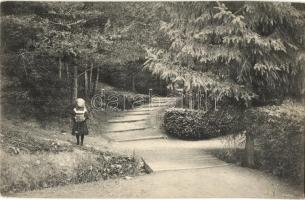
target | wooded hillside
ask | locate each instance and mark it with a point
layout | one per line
(54, 52)
(247, 52)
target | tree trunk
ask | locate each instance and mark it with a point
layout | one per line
(75, 85)
(67, 70)
(160, 86)
(86, 84)
(249, 148)
(191, 100)
(90, 79)
(206, 100)
(183, 95)
(199, 100)
(60, 68)
(133, 83)
(96, 80)
(173, 88)
(190, 97)
(69, 81)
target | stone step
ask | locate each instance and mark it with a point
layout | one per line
(127, 114)
(187, 152)
(142, 138)
(137, 113)
(163, 98)
(174, 157)
(126, 121)
(131, 117)
(127, 130)
(182, 161)
(127, 125)
(130, 135)
(155, 106)
(197, 158)
(188, 168)
(162, 102)
(139, 110)
(167, 165)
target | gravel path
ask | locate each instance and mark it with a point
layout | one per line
(229, 181)
(181, 168)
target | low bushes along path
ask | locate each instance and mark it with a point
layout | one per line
(179, 168)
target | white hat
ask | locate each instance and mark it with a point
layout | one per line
(80, 102)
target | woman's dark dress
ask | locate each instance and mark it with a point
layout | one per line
(79, 128)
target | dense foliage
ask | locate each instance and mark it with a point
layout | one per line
(46, 46)
(278, 130)
(196, 124)
(131, 76)
(280, 139)
(238, 53)
(241, 50)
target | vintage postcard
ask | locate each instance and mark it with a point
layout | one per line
(152, 99)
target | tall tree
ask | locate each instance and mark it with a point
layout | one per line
(243, 51)
(38, 38)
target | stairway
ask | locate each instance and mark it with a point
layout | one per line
(139, 131)
(138, 124)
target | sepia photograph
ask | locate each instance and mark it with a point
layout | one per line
(152, 99)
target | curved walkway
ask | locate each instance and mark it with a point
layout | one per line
(180, 168)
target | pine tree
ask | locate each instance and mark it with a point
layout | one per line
(243, 51)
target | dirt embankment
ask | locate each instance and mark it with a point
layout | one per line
(34, 158)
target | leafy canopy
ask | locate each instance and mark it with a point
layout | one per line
(236, 50)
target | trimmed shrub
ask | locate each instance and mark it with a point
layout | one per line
(197, 124)
(278, 131)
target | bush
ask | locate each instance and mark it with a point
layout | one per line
(279, 141)
(197, 124)
(278, 131)
(279, 136)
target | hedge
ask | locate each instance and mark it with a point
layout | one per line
(197, 124)
(278, 131)
(279, 137)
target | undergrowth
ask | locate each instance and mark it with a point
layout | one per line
(29, 162)
(279, 141)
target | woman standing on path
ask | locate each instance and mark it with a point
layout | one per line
(79, 117)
